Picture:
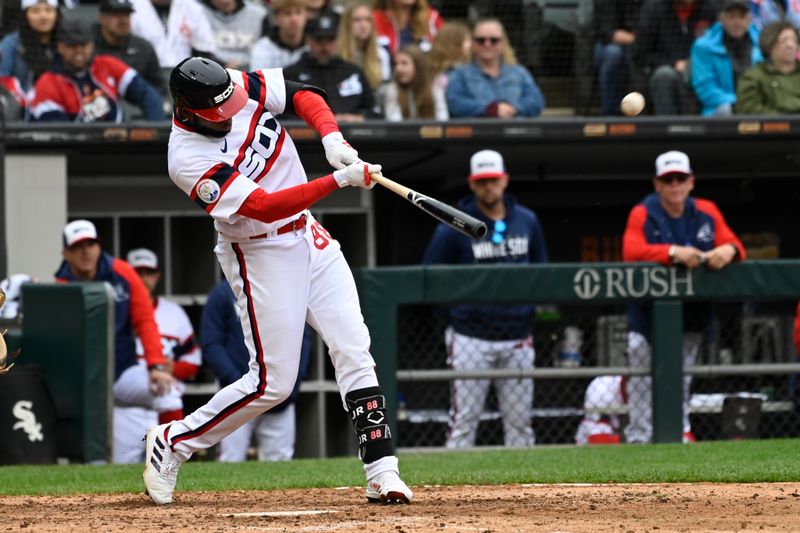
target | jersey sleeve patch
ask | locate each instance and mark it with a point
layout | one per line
(212, 185)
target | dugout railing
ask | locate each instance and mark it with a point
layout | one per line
(384, 291)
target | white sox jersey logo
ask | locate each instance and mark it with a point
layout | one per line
(208, 190)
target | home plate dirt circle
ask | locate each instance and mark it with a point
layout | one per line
(506, 508)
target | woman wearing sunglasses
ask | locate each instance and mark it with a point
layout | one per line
(482, 337)
(493, 85)
(671, 227)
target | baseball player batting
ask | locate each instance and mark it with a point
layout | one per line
(232, 157)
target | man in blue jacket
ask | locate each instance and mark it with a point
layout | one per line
(480, 337)
(225, 352)
(728, 48)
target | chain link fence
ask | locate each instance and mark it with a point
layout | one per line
(579, 393)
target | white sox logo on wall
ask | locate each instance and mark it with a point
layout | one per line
(27, 420)
(632, 282)
(208, 190)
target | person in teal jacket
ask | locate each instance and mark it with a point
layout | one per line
(721, 55)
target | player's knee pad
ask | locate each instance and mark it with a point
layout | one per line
(367, 408)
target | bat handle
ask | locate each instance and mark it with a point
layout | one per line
(393, 186)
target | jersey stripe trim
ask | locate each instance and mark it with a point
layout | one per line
(262, 368)
(220, 173)
(274, 157)
(257, 90)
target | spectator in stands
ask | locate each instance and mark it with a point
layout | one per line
(236, 26)
(412, 94)
(83, 87)
(135, 385)
(349, 94)
(766, 12)
(615, 28)
(451, 48)
(26, 54)
(725, 52)
(493, 85)
(664, 38)
(672, 228)
(285, 43)
(114, 38)
(400, 22)
(177, 29)
(316, 7)
(178, 341)
(357, 44)
(225, 352)
(774, 85)
(482, 337)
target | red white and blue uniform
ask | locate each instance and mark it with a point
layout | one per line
(649, 234)
(284, 270)
(93, 95)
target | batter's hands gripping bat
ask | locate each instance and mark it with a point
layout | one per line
(456, 219)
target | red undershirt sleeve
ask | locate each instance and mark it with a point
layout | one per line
(312, 108)
(269, 207)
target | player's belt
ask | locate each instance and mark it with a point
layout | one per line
(295, 225)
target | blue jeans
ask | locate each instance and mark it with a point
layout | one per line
(612, 69)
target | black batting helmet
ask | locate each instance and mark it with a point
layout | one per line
(204, 87)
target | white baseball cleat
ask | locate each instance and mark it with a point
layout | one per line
(160, 466)
(387, 487)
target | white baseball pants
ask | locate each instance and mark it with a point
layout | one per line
(640, 389)
(280, 283)
(275, 436)
(468, 396)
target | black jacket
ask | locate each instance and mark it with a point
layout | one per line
(661, 38)
(612, 15)
(138, 54)
(347, 86)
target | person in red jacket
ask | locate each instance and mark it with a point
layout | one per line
(671, 227)
(82, 87)
(401, 22)
(142, 387)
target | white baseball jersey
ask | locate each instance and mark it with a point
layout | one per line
(177, 333)
(219, 174)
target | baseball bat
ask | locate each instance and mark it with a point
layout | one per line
(456, 219)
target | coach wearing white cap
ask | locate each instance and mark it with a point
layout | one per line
(134, 385)
(486, 337)
(671, 227)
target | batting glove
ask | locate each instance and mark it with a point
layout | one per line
(357, 175)
(338, 152)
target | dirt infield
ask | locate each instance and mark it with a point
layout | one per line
(574, 508)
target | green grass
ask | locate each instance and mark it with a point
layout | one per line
(722, 462)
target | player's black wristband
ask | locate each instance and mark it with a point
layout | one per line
(157, 367)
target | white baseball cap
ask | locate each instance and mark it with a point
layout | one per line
(143, 258)
(486, 164)
(30, 3)
(77, 231)
(673, 162)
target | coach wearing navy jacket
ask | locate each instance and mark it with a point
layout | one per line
(480, 337)
(671, 227)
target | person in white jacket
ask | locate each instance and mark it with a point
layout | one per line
(177, 29)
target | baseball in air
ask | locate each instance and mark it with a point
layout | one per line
(632, 104)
